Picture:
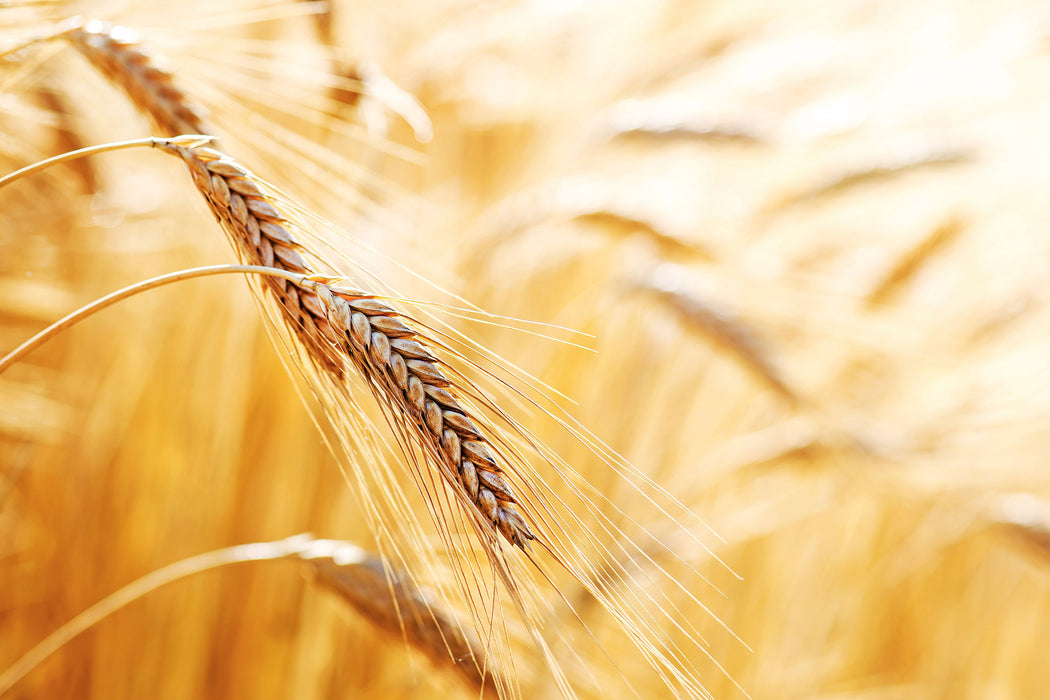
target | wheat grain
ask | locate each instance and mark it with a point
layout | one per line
(342, 327)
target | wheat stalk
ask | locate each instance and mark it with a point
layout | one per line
(344, 328)
(361, 579)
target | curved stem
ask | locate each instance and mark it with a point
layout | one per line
(189, 141)
(121, 294)
(291, 547)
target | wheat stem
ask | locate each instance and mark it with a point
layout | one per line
(140, 587)
(359, 577)
(137, 288)
(93, 150)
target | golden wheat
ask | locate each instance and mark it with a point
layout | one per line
(383, 348)
(118, 53)
(387, 599)
(348, 328)
(394, 603)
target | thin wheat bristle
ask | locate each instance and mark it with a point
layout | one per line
(117, 52)
(341, 327)
(396, 605)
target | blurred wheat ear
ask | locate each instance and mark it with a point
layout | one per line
(393, 603)
(118, 53)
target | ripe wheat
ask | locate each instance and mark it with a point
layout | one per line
(344, 328)
(386, 598)
(394, 603)
(337, 328)
(117, 52)
(431, 407)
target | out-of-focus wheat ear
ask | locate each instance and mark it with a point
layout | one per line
(360, 79)
(663, 119)
(585, 199)
(909, 264)
(117, 52)
(67, 137)
(884, 166)
(1025, 518)
(343, 328)
(720, 326)
(396, 605)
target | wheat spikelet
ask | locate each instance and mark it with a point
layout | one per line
(117, 52)
(340, 327)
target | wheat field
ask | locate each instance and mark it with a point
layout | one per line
(738, 308)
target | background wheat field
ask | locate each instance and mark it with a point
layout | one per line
(803, 247)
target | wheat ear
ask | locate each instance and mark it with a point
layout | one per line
(720, 325)
(1026, 518)
(117, 52)
(908, 265)
(393, 603)
(342, 327)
